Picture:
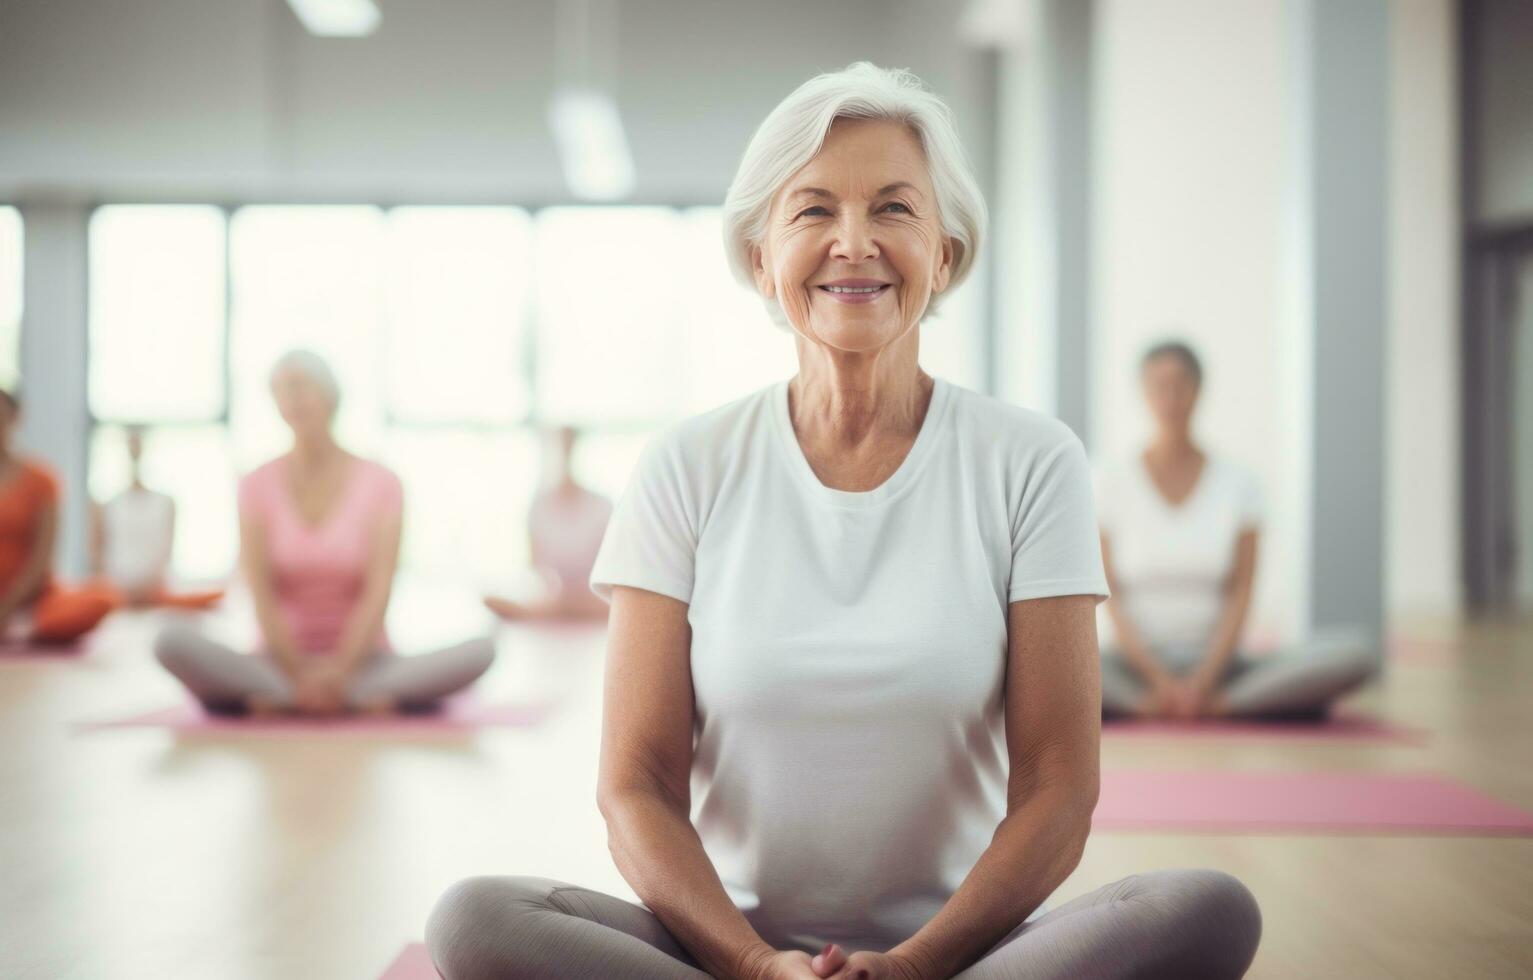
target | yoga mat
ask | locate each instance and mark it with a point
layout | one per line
(457, 716)
(1214, 801)
(1350, 727)
(413, 963)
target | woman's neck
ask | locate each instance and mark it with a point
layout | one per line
(1173, 446)
(316, 452)
(841, 398)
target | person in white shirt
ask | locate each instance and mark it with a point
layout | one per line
(1180, 528)
(852, 702)
(565, 525)
(132, 538)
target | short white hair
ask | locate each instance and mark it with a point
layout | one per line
(793, 133)
(311, 366)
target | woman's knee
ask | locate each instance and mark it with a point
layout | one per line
(173, 646)
(1214, 912)
(472, 926)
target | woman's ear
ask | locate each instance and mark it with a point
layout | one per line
(766, 283)
(951, 253)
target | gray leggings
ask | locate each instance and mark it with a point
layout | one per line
(224, 679)
(1171, 924)
(1298, 681)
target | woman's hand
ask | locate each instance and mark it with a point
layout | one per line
(791, 965)
(877, 966)
(1164, 698)
(320, 688)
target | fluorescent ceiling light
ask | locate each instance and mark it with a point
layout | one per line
(592, 147)
(337, 18)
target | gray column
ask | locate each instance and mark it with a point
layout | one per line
(55, 422)
(1341, 105)
(1044, 213)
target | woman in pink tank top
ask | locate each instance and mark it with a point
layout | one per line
(319, 545)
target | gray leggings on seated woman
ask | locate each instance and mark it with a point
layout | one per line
(1297, 681)
(224, 679)
(1164, 924)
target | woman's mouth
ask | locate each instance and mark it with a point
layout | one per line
(855, 291)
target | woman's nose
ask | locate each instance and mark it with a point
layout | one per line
(854, 240)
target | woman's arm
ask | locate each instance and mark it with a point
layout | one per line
(1134, 650)
(644, 787)
(366, 620)
(1053, 729)
(1232, 618)
(39, 561)
(257, 568)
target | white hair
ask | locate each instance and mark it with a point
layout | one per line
(311, 366)
(793, 133)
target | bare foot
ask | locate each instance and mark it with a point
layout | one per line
(261, 706)
(505, 608)
(379, 707)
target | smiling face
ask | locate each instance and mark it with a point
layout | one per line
(854, 248)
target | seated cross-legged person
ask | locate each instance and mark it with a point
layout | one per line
(132, 538)
(319, 544)
(852, 708)
(565, 525)
(1179, 538)
(34, 606)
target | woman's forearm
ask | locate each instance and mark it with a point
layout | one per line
(360, 635)
(1139, 657)
(659, 854)
(1232, 620)
(279, 641)
(1033, 851)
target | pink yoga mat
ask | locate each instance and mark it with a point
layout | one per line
(456, 717)
(414, 963)
(1351, 727)
(1214, 801)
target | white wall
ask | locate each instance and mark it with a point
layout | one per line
(1191, 106)
(1423, 536)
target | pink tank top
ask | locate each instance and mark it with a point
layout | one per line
(318, 572)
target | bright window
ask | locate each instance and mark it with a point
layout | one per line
(157, 313)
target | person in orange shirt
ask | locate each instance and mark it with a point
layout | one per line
(31, 602)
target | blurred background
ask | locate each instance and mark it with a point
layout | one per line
(493, 217)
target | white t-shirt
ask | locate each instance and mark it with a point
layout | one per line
(1172, 563)
(849, 648)
(136, 525)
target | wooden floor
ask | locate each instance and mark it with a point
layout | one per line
(140, 854)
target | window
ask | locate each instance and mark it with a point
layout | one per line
(458, 335)
(157, 313)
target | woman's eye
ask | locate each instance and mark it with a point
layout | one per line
(813, 212)
(903, 209)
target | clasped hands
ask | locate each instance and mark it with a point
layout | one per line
(833, 963)
(1188, 697)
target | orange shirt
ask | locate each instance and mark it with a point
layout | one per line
(23, 497)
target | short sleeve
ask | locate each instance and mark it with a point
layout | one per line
(1250, 503)
(651, 541)
(255, 495)
(390, 500)
(1055, 544)
(45, 486)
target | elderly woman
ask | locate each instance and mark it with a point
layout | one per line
(319, 543)
(852, 635)
(1179, 538)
